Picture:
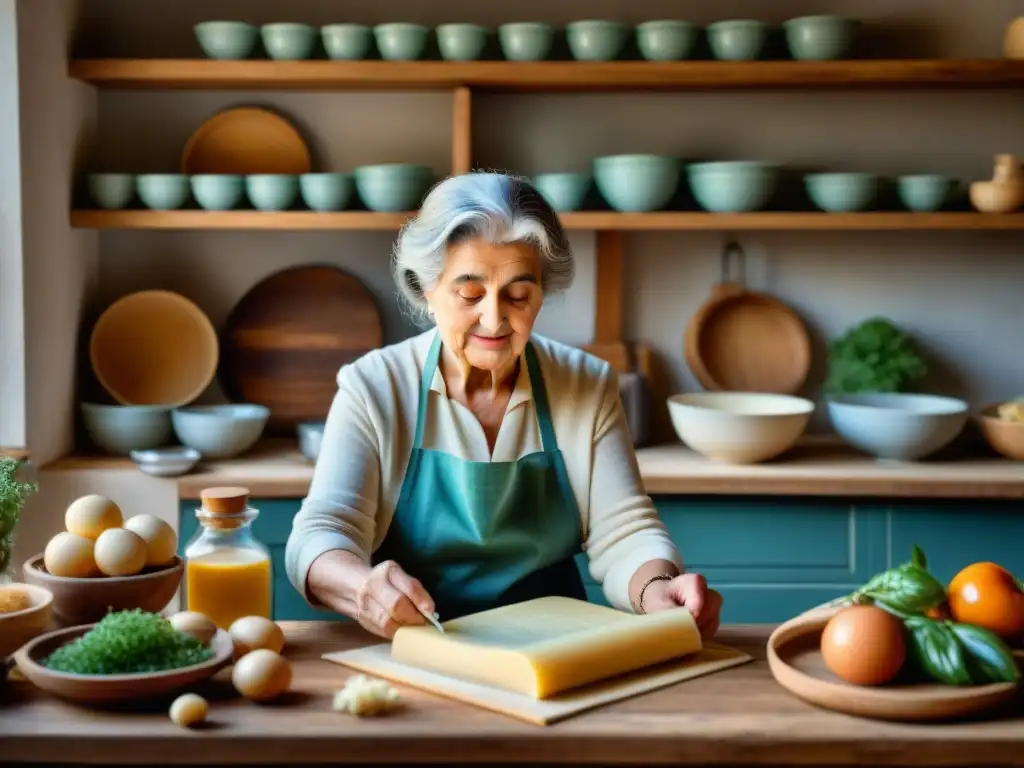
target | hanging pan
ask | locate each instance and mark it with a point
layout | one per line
(742, 341)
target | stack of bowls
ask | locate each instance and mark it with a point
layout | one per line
(897, 426)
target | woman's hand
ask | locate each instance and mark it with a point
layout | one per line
(690, 591)
(388, 598)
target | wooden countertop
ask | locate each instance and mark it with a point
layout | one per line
(736, 717)
(818, 466)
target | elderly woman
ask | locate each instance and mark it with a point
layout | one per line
(464, 468)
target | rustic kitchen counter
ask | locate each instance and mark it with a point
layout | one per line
(818, 466)
(736, 717)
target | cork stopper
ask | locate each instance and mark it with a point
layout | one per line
(225, 501)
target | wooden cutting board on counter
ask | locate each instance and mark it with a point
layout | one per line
(546, 659)
(283, 343)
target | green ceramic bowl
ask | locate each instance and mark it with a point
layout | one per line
(111, 191)
(637, 183)
(272, 191)
(820, 38)
(288, 41)
(218, 192)
(401, 41)
(563, 191)
(326, 191)
(842, 192)
(927, 191)
(526, 40)
(666, 39)
(596, 39)
(461, 42)
(732, 186)
(162, 191)
(393, 187)
(346, 42)
(737, 39)
(226, 39)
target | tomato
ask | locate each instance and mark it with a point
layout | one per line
(987, 595)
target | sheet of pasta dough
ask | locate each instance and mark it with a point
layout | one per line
(542, 647)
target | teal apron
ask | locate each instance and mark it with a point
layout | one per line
(482, 534)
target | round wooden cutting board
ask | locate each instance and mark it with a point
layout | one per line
(283, 343)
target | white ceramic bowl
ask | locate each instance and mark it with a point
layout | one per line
(220, 431)
(739, 427)
(898, 427)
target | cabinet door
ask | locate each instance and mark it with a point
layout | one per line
(956, 534)
(772, 559)
(272, 528)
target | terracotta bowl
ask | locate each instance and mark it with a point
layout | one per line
(19, 627)
(111, 689)
(1005, 437)
(86, 601)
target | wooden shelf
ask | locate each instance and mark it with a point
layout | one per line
(819, 466)
(545, 76)
(588, 220)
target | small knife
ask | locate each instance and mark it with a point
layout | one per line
(432, 619)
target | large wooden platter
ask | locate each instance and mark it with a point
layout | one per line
(795, 660)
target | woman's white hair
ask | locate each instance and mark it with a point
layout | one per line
(494, 207)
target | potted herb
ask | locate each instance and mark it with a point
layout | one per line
(874, 356)
(14, 491)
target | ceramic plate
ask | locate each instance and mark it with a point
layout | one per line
(795, 660)
(110, 689)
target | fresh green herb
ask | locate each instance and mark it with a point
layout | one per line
(129, 642)
(908, 588)
(989, 659)
(936, 651)
(874, 356)
(13, 494)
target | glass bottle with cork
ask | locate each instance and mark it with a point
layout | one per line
(228, 573)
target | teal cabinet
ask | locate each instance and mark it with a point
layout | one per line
(771, 558)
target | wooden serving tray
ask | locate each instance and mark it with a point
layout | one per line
(795, 661)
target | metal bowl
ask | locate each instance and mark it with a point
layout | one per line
(310, 435)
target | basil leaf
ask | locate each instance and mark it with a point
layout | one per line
(988, 658)
(908, 588)
(918, 558)
(936, 651)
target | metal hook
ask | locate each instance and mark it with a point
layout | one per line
(732, 248)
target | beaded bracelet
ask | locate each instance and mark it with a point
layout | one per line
(640, 596)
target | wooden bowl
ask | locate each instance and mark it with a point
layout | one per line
(794, 657)
(18, 627)
(87, 600)
(154, 348)
(1005, 437)
(111, 689)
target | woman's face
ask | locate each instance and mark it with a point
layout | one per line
(486, 301)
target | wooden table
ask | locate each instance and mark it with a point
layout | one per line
(736, 717)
